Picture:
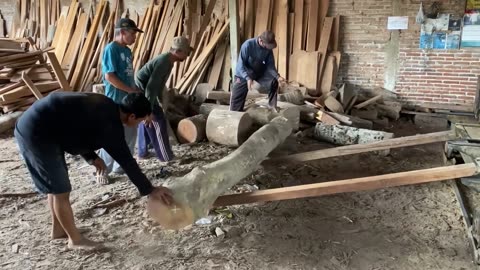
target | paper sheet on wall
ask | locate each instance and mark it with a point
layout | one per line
(471, 30)
(397, 23)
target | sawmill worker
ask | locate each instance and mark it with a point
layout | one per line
(118, 77)
(256, 63)
(88, 122)
(151, 79)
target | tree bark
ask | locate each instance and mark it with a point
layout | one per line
(343, 135)
(196, 192)
(228, 128)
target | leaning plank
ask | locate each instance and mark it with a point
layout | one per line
(217, 64)
(312, 27)
(367, 147)
(368, 102)
(283, 38)
(351, 185)
(31, 86)
(195, 192)
(298, 26)
(57, 69)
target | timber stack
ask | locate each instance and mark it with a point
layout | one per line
(27, 74)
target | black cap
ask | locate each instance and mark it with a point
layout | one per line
(126, 23)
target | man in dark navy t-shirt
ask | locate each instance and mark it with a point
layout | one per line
(79, 124)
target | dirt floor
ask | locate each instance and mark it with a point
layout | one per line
(411, 227)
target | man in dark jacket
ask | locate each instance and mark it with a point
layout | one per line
(79, 124)
(256, 63)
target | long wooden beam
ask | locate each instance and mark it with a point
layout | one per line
(367, 147)
(350, 185)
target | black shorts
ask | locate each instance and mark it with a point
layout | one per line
(46, 164)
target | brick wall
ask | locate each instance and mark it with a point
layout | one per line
(424, 76)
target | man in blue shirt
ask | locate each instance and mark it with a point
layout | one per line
(256, 63)
(118, 77)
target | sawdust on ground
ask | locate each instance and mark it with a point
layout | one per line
(410, 227)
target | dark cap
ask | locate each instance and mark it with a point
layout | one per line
(268, 39)
(126, 23)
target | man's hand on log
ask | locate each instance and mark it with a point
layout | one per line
(163, 194)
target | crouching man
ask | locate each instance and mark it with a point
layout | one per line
(79, 124)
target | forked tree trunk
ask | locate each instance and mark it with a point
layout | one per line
(196, 192)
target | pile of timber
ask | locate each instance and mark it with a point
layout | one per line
(306, 37)
(27, 74)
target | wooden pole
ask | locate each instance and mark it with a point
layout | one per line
(350, 185)
(234, 32)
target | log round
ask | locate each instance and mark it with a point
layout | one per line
(228, 128)
(195, 192)
(192, 129)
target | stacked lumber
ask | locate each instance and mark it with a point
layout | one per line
(35, 19)
(27, 75)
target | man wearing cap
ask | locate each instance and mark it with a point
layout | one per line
(117, 70)
(256, 63)
(151, 79)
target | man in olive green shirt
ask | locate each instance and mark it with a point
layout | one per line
(151, 79)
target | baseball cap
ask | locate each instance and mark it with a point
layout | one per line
(268, 38)
(126, 23)
(181, 43)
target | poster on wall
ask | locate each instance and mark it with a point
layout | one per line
(471, 29)
(453, 40)
(473, 5)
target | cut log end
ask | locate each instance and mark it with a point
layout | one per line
(173, 217)
(192, 129)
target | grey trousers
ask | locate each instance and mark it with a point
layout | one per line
(130, 138)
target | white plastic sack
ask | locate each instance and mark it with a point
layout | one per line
(420, 16)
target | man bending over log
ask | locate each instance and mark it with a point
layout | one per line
(256, 63)
(151, 80)
(79, 124)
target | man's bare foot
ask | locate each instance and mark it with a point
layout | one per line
(58, 233)
(61, 234)
(102, 179)
(84, 244)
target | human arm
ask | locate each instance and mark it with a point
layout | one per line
(271, 69)
(117, 83)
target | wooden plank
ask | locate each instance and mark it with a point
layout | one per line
(31, 86)
(23, 92)
(241, 22)
(87, 48)
(282, 39)
(20, 57)
(323, 11)
(328, 75)
(10, 87)
(249, 19)
(66, 33)
(57, 69)
(194, 67)
(303, 68)
(217, 64)
(234, 31)
(367, 147)
(351, 185)
(71, 55)
(335, 38)
(312, 27)
(368, 102)
(291, 27)
(326, 118)
(261, 17)
(298, 26)
(306, 8)
(323, 47)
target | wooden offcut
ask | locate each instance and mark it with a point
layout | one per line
(228, 127)
(192, 129)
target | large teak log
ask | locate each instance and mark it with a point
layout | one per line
(195, 192)
(228, 127)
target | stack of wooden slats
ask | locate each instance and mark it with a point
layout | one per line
(307, 52)
(35, 19)
(27, 75)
